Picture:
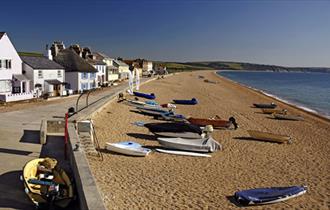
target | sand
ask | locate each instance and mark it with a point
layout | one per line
(162, 181)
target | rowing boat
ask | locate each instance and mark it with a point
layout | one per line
(265, 136)
(128, 148)
(274, 111)
(216, 123)
(288, 117)
(266, 106)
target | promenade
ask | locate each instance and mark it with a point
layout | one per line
(19, 140)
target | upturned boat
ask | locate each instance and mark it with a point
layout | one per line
(128, 148)
(268, 195)
(265, 136)
(266, 106)
(192, 101)
(46, 184)
(274, 111)
(216, 123)
(145, 95)
(195, 145)
(288, 117)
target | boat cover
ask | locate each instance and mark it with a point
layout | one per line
(268, 195)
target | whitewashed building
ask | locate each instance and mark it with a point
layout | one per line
(112, 73)
(79, 74)
(123, 69)
(101, 68)
(47, 76)
(14, 85)
(147, 66)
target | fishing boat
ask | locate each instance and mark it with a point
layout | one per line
(288, 117)
(128, 148)
(264, 136)
(145, 95)
(184, 153)
(216, 123)
(266, 106)
(46, 184)
(274, 111)
(268, 195)
(193, 101)
(195, 145)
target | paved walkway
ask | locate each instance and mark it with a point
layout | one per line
(19, 141)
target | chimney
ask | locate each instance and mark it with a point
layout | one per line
(48, 53)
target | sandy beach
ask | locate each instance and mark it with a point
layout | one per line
(161, 181)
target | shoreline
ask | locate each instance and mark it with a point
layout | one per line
(279, 99)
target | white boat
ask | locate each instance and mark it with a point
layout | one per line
(196, 145)
(185, 153)
(128, 148)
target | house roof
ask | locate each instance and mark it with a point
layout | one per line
(120, 63)
(37, 62)
(1, 34)
(95, 61)
(73, 62)
(101, 55)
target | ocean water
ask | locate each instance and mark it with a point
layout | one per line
(310, 91)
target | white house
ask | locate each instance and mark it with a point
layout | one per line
(123, 69)
(47, 76)
(101, 68)
(147, 66)
(79, 74)
(13, 84)
(112, 73)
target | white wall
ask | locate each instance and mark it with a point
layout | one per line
(8, 51)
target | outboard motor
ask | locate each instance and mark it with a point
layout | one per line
(233, 120)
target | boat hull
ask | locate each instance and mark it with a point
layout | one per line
(288, 117)
(265, 106)
(216, 123)
(264, 136)
(144, 95)
(128, 148)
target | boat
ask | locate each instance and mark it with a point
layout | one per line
(266, 106)
(154, 111)
(175, 127)
(47, 184)
(140, 104)
(193, 101)
(128, 148)
(173, 117)
(168, 105)
(268, 195)
(288, 117)
(216, 123)
(274, 111)
(195, 145)
(264, 136)
(145, 95)
(184, 153)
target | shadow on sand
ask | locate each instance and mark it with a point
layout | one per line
(142, 136)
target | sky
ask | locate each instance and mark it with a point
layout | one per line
(288, 33)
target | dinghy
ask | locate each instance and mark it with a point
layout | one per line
(268, 195)
(193, 101)
(184, 153)
(274, 111)
(264, 136)
(195, 145)
(216, 123)
(145, 95)
(128, 148)
(175, 127)
(154, 111)
(266, 106)
(46, 184)
(173, 117)
(288, 117)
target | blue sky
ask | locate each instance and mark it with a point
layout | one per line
(290, 33)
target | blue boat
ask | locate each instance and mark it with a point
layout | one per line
(145, 95)
(193, 101)
(268, 195)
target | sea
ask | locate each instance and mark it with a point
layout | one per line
(307, 90)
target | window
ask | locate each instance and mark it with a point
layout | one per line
(92, 75)
(59, 73)
(5, 64)
(84, 76)
(40, 76)
(5, 86)
(84, 86)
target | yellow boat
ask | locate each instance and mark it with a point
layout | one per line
(264, 136)
(46, 184)
(274, 111)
